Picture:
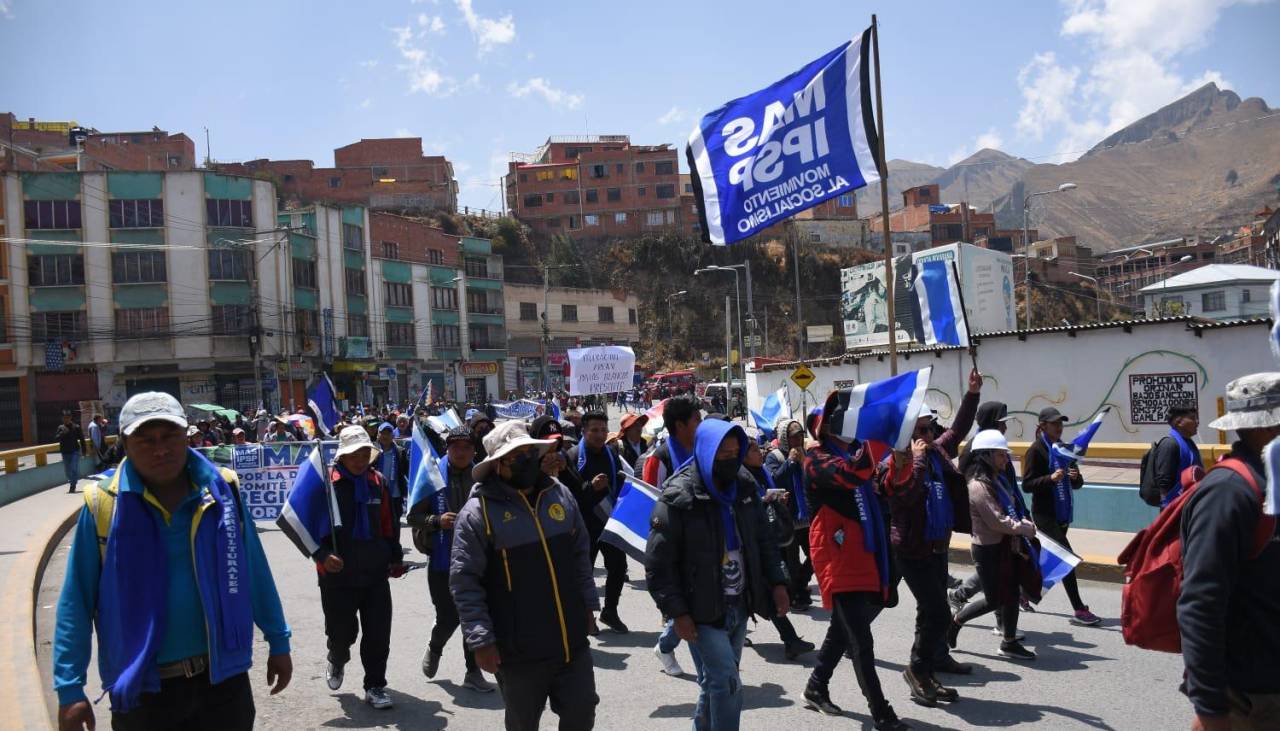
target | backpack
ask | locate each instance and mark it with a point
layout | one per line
(1153, 570)
(1147, 489)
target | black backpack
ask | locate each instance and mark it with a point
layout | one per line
(1147, 489)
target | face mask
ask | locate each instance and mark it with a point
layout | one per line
(724, 470)
(525, 470)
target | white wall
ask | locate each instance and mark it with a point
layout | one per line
(188, 268)
(1076, 374)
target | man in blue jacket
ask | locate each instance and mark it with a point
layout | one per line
(168, 565)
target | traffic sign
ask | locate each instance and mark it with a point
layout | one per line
(802, 377)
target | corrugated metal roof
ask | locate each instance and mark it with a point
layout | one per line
(1213, 274)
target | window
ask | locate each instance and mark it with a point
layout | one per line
(54, 270)
(307, 322)
(225, 212)
(606, 314)
(815, 237)
(4, 323)
(619, 218)
(1213, 301)
(574, 223)
(653, 218)
(446, 336)
(533, 200)
(667, 190)
(546, 175)
(335, 181)
(571, 196)
(131, 267)
(599, 171)
(399, 294)
(136, 213)
(357, 326)
(569, 174)
(591, 219)
(631, 315)
(553, 222)
(524, 178)
(400, 334)
(688, 187)
(150, 322)
(435, 256)
(619, 168)
(352, 237)
(230, 264)
(593, 195)
(478, 268)
(444, 298)
(478, 301)
(230, 320)
(639, 168)
(642, 190)
(1246, 295)
(52, 214)
(670, 215)
(613, 194)
(355, 280)
(381, 172)
(568, 313)
(304, 274)
(551, 197)
(58, 326)
(664, 167)
(528, 311)
(845, 201)
(482, 338)
(390, 250)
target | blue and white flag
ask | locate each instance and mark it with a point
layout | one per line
(522, 409)
(1079, 446)
(775, 407)
(311, 508)
(767, 156)
(628, 525)
(322, 398)
(882, 411)
(425, 479)
(1056, 561)
(938, 312)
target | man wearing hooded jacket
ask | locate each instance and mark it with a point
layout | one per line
(711, 564)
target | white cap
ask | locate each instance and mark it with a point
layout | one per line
(504, 439)
(989, 439)
(353, 439)
(151, 406)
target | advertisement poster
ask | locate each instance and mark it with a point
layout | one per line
(864, 306)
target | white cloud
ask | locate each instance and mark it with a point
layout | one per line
(989, 139)
(371, 63)
(431, 23)
(673, 116)
(6, 9)
(1132, 48)
(418, 66)
(402, 132)
(543, 88)
(364, 103)
(488, 32)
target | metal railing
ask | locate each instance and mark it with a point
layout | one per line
(40, 452)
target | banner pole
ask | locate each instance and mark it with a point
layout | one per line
(330, 499)
(884, 207)
(964, 313)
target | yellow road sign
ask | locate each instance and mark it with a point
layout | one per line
(802, 377)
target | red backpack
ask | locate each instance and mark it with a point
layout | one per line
(1153, 569)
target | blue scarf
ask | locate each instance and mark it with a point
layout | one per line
(939, 516)
(360, 488)
(725, 500)
(613, 467)
(439, 560)
(1187, 457)
(871, 519)
(133, 587)
(1015, 508)
(797, 490)
(678, 455)
(1063, 501)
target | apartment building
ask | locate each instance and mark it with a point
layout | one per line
(575, 317)
(1123, 272)
(947, 223)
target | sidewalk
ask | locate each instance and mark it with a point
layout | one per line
(1097, 550)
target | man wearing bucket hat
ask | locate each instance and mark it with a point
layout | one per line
(521, 579)
(354, 566)
(631, 438)
(1229, 609)
(174, 584)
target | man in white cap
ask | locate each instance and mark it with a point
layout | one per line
(167, 564)
(354, 566)
(1229, 609)
(521, 579)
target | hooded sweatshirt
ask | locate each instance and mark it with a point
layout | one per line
(787, 473)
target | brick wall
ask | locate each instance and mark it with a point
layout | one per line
(414, 239)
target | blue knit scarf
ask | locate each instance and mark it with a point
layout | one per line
(362, 494)
(724, 499)
(939, 516)
(133, 587)
(1063, 501)
(871, 519)
(1187, 457)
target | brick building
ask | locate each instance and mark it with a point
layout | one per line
(1054, 260)
(32, 145)
(597, 186)
(947, 223)
(1123, 272)
(1248, 244)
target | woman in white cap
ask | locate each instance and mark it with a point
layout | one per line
(1001, 528)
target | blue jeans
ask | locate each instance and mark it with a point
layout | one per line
(716, 654)
(668, 641)
(71, 467)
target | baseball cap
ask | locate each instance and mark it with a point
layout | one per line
(386, 426)
(151, 406)
(1049, 414)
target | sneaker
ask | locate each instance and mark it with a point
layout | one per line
(430, 663)
(798, 647)
(378, 698)
(956, 600)
(1085, 618)
(818, 699)
(922, 692)
(333, 675)
(1015, 651)
(610, 619)
(474, 680)
(670, 665)
(999, 632)
(886, 720)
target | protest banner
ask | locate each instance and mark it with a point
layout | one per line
(602, 369)
(267, 471)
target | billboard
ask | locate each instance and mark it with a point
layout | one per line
(864, 306)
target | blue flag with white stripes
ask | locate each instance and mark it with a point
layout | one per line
(628, 524)
(937, 308)
(881, 411)
(310, 509)
(766, 156)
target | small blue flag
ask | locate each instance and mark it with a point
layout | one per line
(628, 525)
(1079, 446)
(882, 411)
(310, 509)
(322, 398)
(425, 479)
(939, 313)
(775, 406)
(1056, 561)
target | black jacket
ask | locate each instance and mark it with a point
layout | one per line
(1035, 480)
(365, 561)
(597, 463)
(686, 548)
(1229, 610)
(1166, 462)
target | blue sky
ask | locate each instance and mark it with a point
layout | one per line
(478, 79)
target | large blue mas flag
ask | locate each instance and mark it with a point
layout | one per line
(425, 478)
(322, 397)
(767, 156)
(939, 312)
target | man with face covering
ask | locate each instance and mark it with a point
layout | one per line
(602, 469)
(521, 580)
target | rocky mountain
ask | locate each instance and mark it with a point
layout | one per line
(981, 178)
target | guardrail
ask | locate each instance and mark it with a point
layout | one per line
(40, 451)
(1128, 450)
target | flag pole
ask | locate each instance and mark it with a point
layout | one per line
(884, 206)
(964, 312)
(330, 499)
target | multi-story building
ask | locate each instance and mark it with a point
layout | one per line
(14, 384)
(32, 145)
(1122, 272)
(1248, 244)
(590, 187)
(1213, 291)
(575, 318)
(1056, 261)
(381, 174)
(947, 223)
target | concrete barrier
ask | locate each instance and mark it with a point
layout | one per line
(24, 483)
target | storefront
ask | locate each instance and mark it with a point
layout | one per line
(529, 373)
(477, 381)
(352, 380)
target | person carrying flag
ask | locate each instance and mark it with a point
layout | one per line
(165, 562)
(602, 470)
(432, 521)
(1050, 480)
(520, 574)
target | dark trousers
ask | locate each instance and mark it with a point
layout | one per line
(615, 566)
(786, 630)
(927, 579)
(1050, 526)
(850, 634)
(571, 687)
(446, 617)
(801, 570)
(986, 560)
(192, 704)
(372, 604)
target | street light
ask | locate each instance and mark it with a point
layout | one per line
(671, 331)
(1026, 236)
(738, 297)
(1097, 295)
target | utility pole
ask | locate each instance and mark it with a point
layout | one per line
(751, 316)
(546, 328)
(795, 252)
(728, 349)
(255, 329)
